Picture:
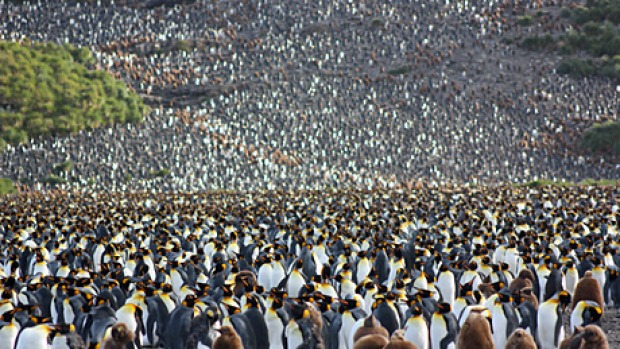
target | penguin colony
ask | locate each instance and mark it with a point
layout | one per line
(307, 94)
(458, 267)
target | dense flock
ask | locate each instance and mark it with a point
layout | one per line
(456, 267)
(317, 94)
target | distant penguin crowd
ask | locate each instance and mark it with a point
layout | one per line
(446, 268)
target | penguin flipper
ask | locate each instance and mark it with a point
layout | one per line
(558, 327)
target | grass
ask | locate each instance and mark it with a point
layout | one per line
(6, 186)
(587, 182)
(48, 89)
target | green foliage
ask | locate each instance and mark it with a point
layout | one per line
(6, 186)
(525, 21)
(62, 167)
(596, 33)
(53, 180)
(400, 70)
(160, 173)
(545, 42)
(183, 45)
(603, 138)
(46, 89)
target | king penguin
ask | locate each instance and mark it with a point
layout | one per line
(34, 337)
(550, 330)
(444, 328)
(398, 341)
(416, 328)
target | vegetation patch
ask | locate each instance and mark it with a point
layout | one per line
(6, 186)
(64, 167)
(588, 182)
(160, 173)
(47, 89)
(596, 33)
(400, 70)
(603, 139)
(53, 180)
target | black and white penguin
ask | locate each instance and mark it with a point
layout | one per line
(416, 328)
(67, 338)
(276, 319)
(550, 330)
(34, 337)
(505, 319)
(585, 313)
(444, 328)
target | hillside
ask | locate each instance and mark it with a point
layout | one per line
(307, 95)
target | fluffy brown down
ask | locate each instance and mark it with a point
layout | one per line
(475, 333)
(228, 339)
(373, 341)
(371, 326)
(120, 336)
(398, 341)
(522, 281)
(520, 339)
(588, 289)
(589, 337)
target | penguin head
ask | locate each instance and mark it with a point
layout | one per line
(564, 298)
(444, 308)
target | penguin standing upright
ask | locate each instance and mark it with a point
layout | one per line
(416, 328)
(505, 319)
(550, 330)
(373, 341)
(9, 331)
(444, 328)
(34, 337)
(446, 284)
(131, 315)
(275, 319)
(370, 326)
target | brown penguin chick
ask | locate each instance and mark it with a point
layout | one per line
(316, 319)
(519, 339)
(569, 343)
(228, 339)
(372, 341)
(398, 341)
(527, 295)
(522, 281)
(475, 333)
(588, 289)
(120, 336)
(591, 337)
(370, 326)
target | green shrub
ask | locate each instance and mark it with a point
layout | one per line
(6, 186)
(602, 138)
(539, 43)
(525, 21)
(576, 67)
(53, 180)
(160, 173)
(47, 89)
(400, 70)
(62, 167)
